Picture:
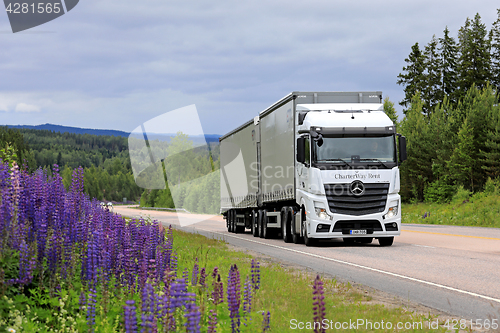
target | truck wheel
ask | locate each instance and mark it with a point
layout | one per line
(308, 241)
(285, 225)
(386, 241)
(296, 238)
(266, 232)
(255, 221)
(236, 229)
(260, 224)
(231, 221)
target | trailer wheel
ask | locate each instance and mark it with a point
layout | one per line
(285, 225)
(266, 232)
(255, 221)
(386, 241)
(260, 224)
(231, 223)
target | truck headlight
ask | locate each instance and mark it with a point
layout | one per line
(393, 211)
(322, 214)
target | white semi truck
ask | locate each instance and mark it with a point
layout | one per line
(315, 165)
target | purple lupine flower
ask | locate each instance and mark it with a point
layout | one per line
(26, 264)
(255, 274)
(194, 275)
(203, 278)
(193, 317)
(212, 322)
(218, 292)
(234, 297)
(148, 299)
(185, 274)
(91, 302)
(266, 321)
(318, 305)
(130, 317)
(247, 296)
(178, 294)
(82, 301)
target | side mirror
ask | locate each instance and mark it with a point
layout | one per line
(301, 150)
(402, 149)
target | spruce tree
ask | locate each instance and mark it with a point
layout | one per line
(449, 53)
(432, 92)
(416, 172)
(461, 161)
(390, 111)
(495, 53)
(474, 61)
(412, 78)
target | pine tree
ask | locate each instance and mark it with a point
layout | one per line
(413, 78)
(495, 53)
(474, 61)
(449, 53)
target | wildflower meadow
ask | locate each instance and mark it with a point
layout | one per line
(69, 265)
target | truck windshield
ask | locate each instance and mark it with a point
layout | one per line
(343, 150)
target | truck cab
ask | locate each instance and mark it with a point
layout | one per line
(347, 175)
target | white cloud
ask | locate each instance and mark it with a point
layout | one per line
(23, 107)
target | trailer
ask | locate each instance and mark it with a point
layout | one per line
(315, 165)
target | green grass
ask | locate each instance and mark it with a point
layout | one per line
(287, 293)
(479, 210)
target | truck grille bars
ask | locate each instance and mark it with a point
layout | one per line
(348, 199)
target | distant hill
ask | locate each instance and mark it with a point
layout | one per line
(74, 130)
(78, 130)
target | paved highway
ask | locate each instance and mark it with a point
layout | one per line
(451, 269)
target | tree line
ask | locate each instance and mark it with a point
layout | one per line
(446, 68)
(105, 160)
(452, 116)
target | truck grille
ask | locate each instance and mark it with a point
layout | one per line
(342, 201)
(346, 226)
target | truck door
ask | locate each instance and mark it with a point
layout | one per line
(303, 167)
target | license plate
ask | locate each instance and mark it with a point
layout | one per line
(358, 232)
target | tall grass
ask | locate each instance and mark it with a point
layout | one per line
(481, 209)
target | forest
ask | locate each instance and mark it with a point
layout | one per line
(451, 113)
(105, 160)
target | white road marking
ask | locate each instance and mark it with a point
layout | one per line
(363, 267)
(432, 247)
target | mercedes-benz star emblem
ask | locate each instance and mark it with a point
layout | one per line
(357, 188)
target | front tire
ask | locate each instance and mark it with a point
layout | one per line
(386, 241)
(308, 241)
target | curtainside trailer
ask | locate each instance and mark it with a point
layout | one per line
(315, 165)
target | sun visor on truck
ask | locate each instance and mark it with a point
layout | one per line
(364, 131)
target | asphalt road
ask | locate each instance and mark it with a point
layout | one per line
(455, 270)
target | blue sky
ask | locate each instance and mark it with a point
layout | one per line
(116, 64)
